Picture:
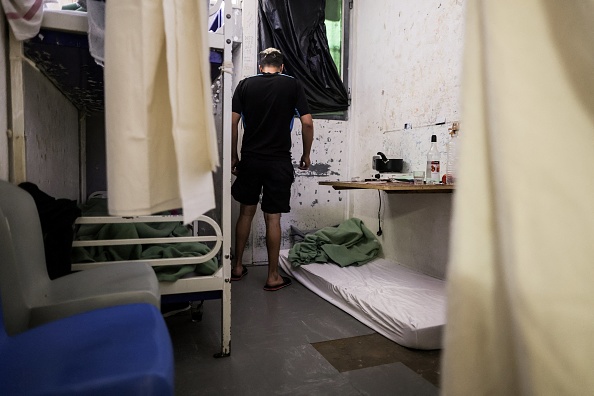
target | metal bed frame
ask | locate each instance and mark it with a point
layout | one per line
(217, 285)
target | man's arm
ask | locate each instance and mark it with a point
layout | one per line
(235, 117)
(307, 131)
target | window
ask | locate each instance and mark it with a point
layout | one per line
(337, 30)
(312, 35)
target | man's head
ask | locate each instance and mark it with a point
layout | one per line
(271, 57)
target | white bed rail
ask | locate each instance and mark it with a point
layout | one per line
(217, 239)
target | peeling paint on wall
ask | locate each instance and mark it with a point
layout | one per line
(417, 52)
(319, 169)
(52, 137)
(4, 173)
(416, 81)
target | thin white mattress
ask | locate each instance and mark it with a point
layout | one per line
(403, 305)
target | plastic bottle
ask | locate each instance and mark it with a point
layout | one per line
(433, 162)
(452, 154)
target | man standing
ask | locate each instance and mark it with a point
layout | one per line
(267, 104)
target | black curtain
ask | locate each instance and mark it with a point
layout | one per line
(297, 29)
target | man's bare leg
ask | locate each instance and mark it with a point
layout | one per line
(242, 233)
(273, 241)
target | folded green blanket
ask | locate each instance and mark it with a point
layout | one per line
(350, 243)
(86, 232)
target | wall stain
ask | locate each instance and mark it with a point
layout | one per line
(314, 203)
(319, 169)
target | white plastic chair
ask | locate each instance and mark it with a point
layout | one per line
(31, 298)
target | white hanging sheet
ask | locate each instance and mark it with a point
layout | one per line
(520, 295)
(160, 134)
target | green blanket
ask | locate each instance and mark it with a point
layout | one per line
(351, 243)
(86, 232)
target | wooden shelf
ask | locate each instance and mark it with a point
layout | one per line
(392, 187)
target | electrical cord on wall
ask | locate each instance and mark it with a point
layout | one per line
(379, 211)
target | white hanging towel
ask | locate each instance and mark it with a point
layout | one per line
(24, 17)
(520, 315)
(160, 135)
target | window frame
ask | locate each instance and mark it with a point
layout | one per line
(347, 6)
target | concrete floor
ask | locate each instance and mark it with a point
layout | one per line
(292, 342)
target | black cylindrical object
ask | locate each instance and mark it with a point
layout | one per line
(384, 164)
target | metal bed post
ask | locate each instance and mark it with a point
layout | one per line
(16, 134)
(226, 196)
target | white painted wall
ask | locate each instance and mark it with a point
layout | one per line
(3, 98)
(51, 130)
(406, 68)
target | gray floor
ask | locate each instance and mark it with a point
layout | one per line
(271, 351)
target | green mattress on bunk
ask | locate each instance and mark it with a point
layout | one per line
(89, 232)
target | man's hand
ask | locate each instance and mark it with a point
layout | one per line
(305, 162)
(307, 132)
(235, 117)
(234, 162)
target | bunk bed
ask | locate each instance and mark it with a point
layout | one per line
(61, 52)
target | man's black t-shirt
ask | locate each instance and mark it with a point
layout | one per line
(268, 103)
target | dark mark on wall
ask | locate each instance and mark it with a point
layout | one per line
(286, 240)
(319, 169)
(314, 203)
(65, 60)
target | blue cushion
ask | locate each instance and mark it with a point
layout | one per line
(122, 350)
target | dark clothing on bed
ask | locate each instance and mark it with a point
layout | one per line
(268, 103)
(57, 218)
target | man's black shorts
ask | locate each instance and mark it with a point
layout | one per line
(272, 178)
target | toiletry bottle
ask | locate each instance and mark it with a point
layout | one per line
(433, 162)
(452, 154)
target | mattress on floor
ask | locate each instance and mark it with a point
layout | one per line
(403, 305)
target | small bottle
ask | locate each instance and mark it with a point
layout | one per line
(433, 162)
(452, 154)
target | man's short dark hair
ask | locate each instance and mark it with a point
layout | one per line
(271, 57)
